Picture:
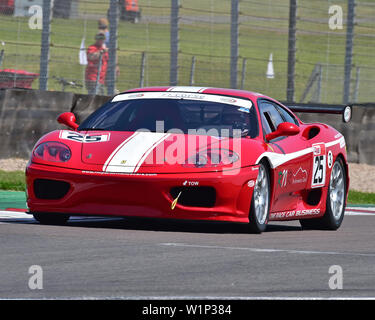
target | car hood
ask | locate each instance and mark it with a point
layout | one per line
(150, 152)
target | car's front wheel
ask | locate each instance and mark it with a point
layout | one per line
(260, 204)
(335, 203)
(51, 218)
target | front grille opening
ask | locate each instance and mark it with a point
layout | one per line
(195, 196)
(314, 196)
(50, 189)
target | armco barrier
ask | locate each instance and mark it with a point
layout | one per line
(25, 115)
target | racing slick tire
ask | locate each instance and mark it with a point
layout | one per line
(51, 218)
(260, 202)
(335, 203)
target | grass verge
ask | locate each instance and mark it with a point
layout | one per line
(15, 181)
(12, 180)
(357, 197)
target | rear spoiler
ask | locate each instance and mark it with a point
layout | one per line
(345, 111)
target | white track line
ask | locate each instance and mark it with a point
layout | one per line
(259, 250)
(220, 298)
(9, 216)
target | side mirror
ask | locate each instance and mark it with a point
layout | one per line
(283, 129)
(68, 119)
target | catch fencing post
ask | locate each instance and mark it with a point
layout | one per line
(244, 61)
(234, 42)
(44, 52)
(99, 73)
(173, 75)
(192, 71)
(142, 75)
(291, 50)
(356, 88)
(349, 50)
(112, 50)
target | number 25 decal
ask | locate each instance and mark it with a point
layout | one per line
(319, 166)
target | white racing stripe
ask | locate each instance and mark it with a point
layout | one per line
(131, 154)
(187, 89)
(278, 159)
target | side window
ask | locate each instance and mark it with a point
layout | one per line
(286, 115)
(271, 118)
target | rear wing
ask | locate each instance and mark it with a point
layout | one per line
(345, 111)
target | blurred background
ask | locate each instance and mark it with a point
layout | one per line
(255, 45)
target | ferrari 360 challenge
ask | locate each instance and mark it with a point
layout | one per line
(192, 153)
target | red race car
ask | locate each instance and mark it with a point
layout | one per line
(192, 153)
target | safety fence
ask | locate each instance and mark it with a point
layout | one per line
(301, 50)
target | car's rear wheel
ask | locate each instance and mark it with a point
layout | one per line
(335, 204)
(51, 218)
(260, 203)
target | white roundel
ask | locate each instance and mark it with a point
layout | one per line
(330, 159)
(347, 114)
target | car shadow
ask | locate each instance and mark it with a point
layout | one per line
(170, 225)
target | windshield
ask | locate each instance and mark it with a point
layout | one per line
(174, 115)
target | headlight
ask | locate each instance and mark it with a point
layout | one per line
(211, 158)
(52, 151)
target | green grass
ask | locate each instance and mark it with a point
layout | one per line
(209, 42)
(15, 181)
(356, 197)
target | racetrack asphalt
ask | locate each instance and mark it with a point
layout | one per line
(168, 259)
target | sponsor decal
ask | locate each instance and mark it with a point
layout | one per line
(251, 183)
(283, 175)
(300, 176)
(183, 95)
(319, 149)
(228, 100)
(192, 95)
(294, 213)
(190, 183)
(119, 173)
(319, 165)
(330, 159)
(84, 138)
(244, 110)
(173, 205)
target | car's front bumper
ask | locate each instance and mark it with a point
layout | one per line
(106, 194)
